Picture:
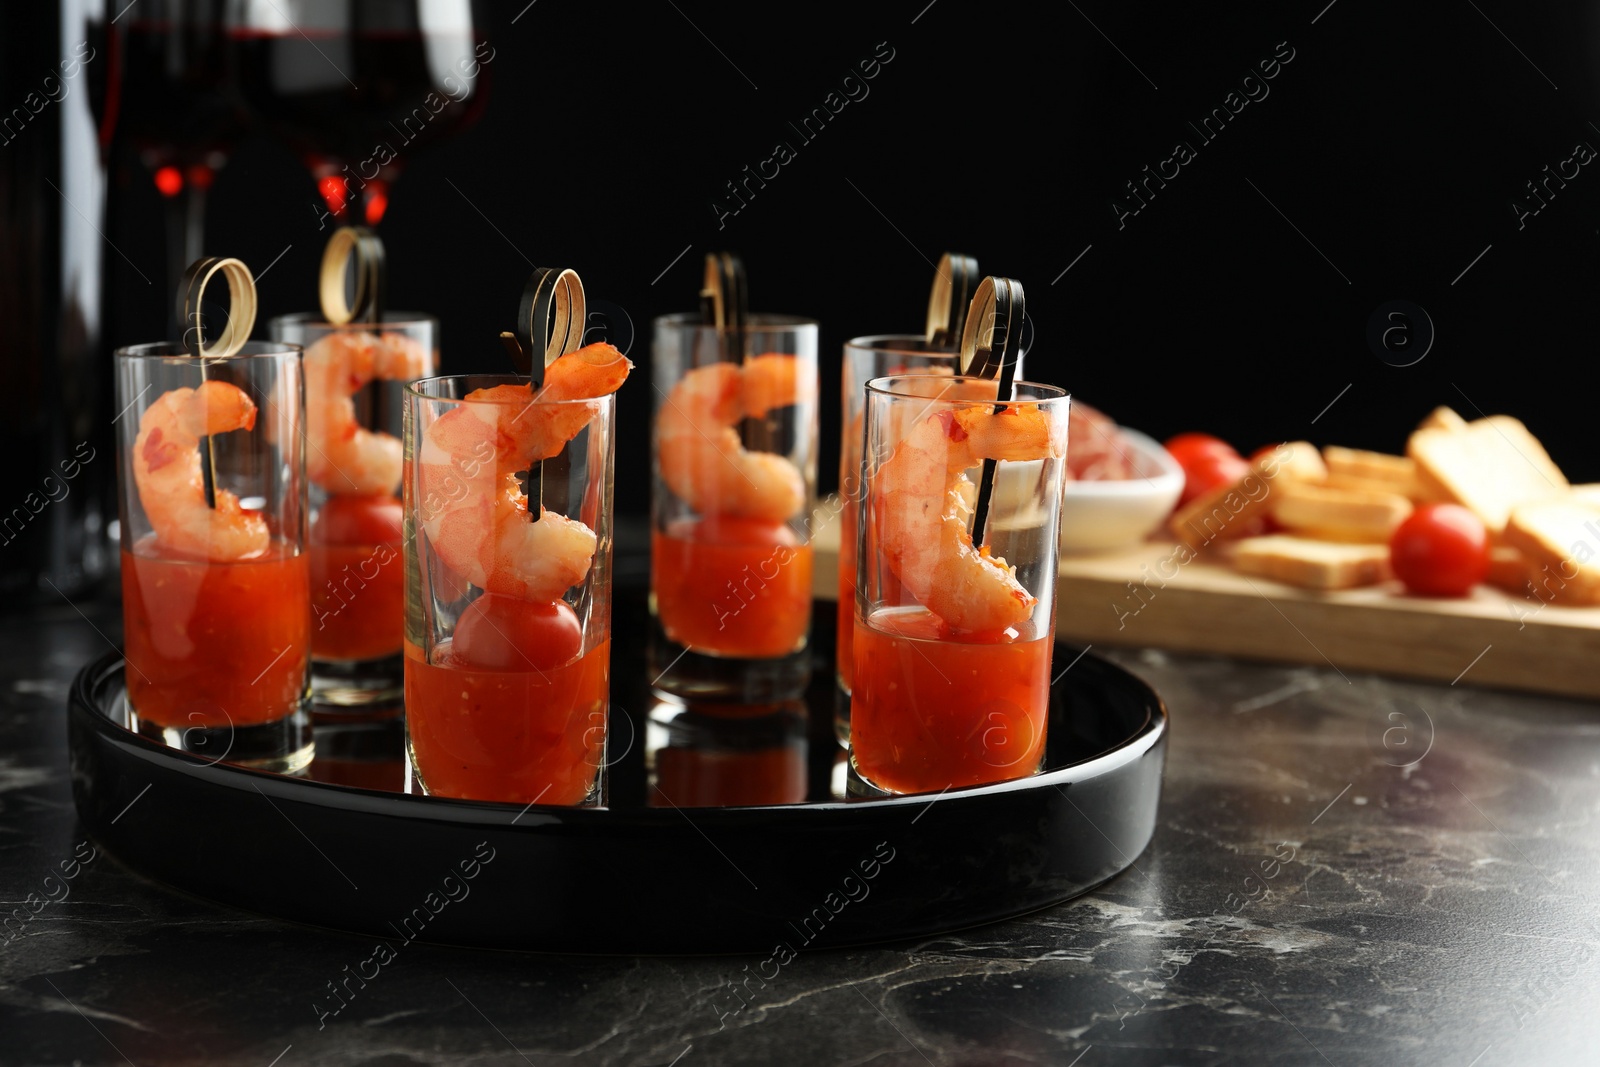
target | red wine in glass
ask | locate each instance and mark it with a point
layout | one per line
(177, 107)
(356, 87)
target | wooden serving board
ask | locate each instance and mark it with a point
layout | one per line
(1488, 639)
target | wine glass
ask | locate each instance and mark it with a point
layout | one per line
(356, 86)
(177, 106)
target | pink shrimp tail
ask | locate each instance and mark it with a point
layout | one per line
(592, 371)
(773, 381)
(218, 407)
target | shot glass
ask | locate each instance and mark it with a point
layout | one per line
(952, 644)
(215, 574)
(355, 380)
(866, 358)
(508, 620)
(735, 471)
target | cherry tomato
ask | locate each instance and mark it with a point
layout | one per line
(738, 530)
(1208, 472)
(1207, 462)
(1188, 447)
(358, 520)
(503, 633)
(1441, 550)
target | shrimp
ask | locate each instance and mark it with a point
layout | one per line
(346, 457)
(939, 384)
(474, 509)
(701, 457)
(925, 501)
(166, 470)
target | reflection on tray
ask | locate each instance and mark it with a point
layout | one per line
(686, 672)
(707, 754)
(368, 754)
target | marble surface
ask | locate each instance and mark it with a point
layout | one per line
(1346, 870)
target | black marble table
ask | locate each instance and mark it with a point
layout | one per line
(1346, 870)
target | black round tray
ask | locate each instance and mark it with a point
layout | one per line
(630, 878)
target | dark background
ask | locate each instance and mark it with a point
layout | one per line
(1394, 142)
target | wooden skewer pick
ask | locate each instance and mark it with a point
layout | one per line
(725, 300)
(365, 248)
(990, 344)
(550, 320)
(241, 320)
(953, 282)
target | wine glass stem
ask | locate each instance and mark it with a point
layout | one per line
(186, 216)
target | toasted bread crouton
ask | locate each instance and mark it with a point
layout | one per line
(1509, 569)
(1339, 514)
(1339, 480)
(1442, 418)
(1489, 467)
(1561, 539)
(1587, 494)
(1311, 564)
(1399, 472)
(1232, 511)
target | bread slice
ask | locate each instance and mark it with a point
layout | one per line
(1230, 512)
(1354, 468)
(1513, 572)
(1490, 467)
(1442, 418)
(1340, 480)
(1587, 494)
(1561, 539)
(1509, 569)
(1397, 471)
(1312, 564)
(1339, 514)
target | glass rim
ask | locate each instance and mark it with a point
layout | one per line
(415, 387)
(900, 344)
(876, 386)
(756, 321)
(177, 350)
(390, 318)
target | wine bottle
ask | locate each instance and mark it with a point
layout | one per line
(57, 463)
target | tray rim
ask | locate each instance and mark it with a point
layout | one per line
(82, 707)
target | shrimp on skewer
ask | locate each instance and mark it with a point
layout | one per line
(939, 383)
(925, 501)
(346, 457)
(166, 470)
(702, 459)
(474, 509)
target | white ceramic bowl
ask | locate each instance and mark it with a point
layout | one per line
(1100, 516)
